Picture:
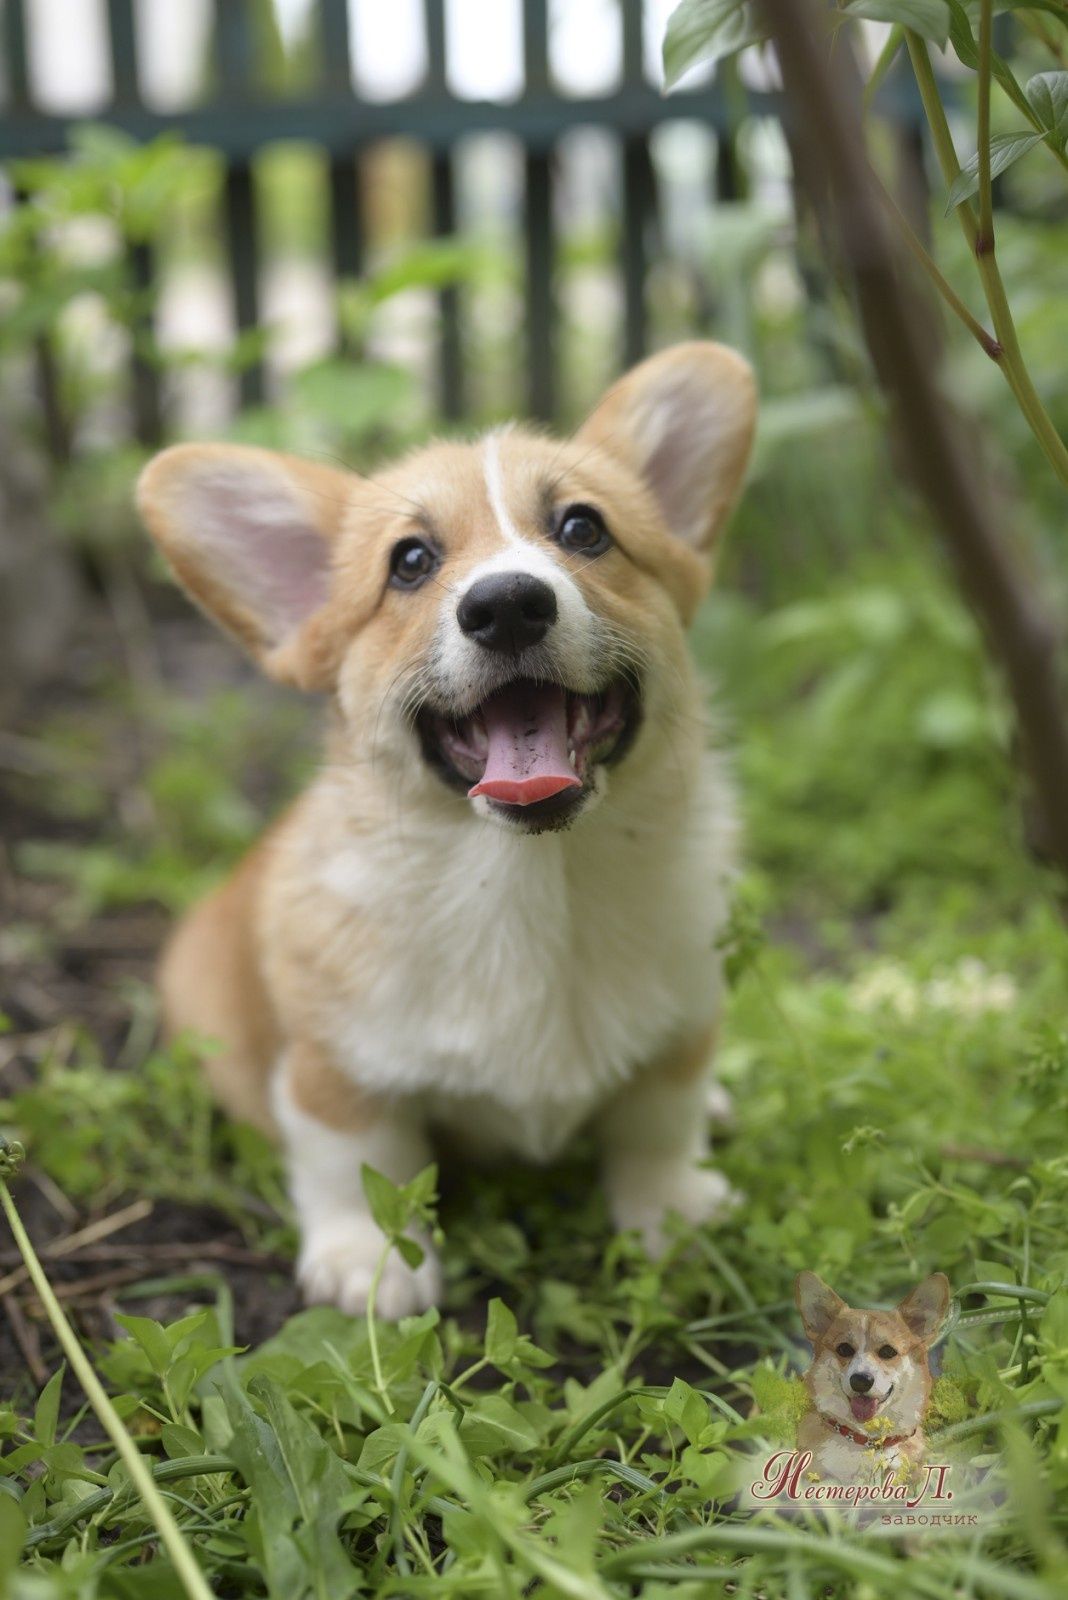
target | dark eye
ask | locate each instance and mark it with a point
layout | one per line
(846, 1350)
(886, 1352)
(582, 529)
(411, 563)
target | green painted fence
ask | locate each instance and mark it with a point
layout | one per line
(240, 120)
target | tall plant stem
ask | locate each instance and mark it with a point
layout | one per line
(985, 241)
(985, 340)
(1011, 358)
(824, 108)
(185, 1565)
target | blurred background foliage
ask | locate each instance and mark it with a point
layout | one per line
(829, 597)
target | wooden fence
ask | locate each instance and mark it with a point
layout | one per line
(240, 120)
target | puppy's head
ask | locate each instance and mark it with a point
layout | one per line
(503, 619)
(865, 1362)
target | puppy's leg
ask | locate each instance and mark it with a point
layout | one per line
(653, 1135)
(330, 1128)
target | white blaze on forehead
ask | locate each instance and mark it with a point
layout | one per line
(495, 490)
(575, 641)
(526, 555)
(862, 1362)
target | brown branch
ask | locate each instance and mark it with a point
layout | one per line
(823, 99)
(987, 1158)
(27, 1340)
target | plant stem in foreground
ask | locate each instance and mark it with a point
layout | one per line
(185, 1565)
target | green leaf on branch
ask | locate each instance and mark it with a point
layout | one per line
(743, 940)
(502, 1333)
(151, 1338)
(46, 1415)
(509, 1350)
(395, 1207)
(12, 1538)
(704, 31)
(496, 1427)
(1052, 8)
(965, 44)
(1005, 149)
(685, 1407)
(930, 18)
(1047, 95)
(300, 1492)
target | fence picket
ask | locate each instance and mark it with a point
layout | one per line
(539, 240)
(16, 73)
(240, 213)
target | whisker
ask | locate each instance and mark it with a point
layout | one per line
(387, 692)
(376, 483)
(572, 466)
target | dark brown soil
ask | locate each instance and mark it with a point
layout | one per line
(59, 972)
(78, 976)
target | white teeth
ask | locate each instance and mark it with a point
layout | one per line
(580, 723)
(571, 758)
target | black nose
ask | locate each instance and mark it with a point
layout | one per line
(861, 1382)
(507, 611)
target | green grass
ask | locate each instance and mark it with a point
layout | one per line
(577, 1420)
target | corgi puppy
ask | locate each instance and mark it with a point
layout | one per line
(494, 911)
(869, 1381)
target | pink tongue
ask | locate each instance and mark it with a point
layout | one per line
(526, 726)
(863, 1406)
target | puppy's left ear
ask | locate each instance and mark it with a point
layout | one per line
(684, 421)
(249, 534)
(924, 1309)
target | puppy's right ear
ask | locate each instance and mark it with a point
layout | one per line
(817, 1303)
(248, 535)
(924, 1308)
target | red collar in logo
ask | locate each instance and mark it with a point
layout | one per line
(864, 1438)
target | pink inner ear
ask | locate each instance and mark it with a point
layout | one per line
(262, 547)
(678, 471)
(291, 573)
(677, 427)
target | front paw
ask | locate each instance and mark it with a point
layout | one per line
(647, 1193)
(337, 1265)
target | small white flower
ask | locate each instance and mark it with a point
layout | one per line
(967, 989)
(970, 989)
(886, 986)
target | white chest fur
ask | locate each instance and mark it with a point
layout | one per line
(511, 982)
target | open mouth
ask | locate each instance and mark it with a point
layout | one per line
(531, 747)
(864, 1406)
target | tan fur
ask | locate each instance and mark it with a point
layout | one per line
(162, 497)
(285, 964)
(319, 1089)
(619, 426)
(211, 984)
(309, 950)
(685, 1059)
